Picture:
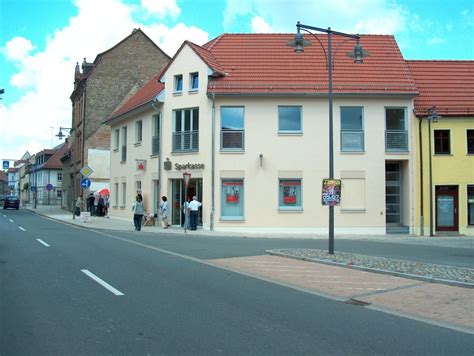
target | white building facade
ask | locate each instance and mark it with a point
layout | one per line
(251, 128)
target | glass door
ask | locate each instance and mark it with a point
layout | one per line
(393, 194)
(447, 208)
(179, 194)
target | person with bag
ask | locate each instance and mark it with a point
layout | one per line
(138, 210)
(165, 212)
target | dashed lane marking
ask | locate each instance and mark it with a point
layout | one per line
(22, 229)
(101, 282)
(42, 242)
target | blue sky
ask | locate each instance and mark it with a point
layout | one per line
(41, 40)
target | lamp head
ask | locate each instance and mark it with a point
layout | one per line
(433, 114)
(299, 43)
(358, 53)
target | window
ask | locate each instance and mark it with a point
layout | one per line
(124, 144)
(470, 142)
(232, 199)
(442, 142)
(116, 194)
(116, 139)
(138, 131)
(470, 205)
(352, 129)
(289, 196)
(396, 134)
(178, 83)
(155, 140)
(60, 177)
(289, 119)
(124, 194)
(186, 130)
(138, 186)
(232, 128)
(194, 81)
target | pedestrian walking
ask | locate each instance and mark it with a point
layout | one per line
(100, 206)
(186, 214)
(194, 206)
(107, 206)
(79, 205)
(138, 210)
(90, 203)
(165, 212)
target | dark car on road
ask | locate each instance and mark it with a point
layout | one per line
(11, 201)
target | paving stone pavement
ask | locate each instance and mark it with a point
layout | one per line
(458, 276)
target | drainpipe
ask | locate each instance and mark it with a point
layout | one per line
(159, 157)
(213, 162)
(420, 143)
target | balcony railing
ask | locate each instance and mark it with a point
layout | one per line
(185, 141)
(396, 140)
(232, 139)
(352, 140)
(155, 145)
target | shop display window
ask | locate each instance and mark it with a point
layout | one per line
(290, 194)
(232, 199)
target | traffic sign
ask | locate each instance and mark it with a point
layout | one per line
(6, 164)
(85, 183)
(49, 187)
(86, 171)
(33, 189)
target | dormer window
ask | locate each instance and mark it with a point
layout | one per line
(178, 83)
(194, 81)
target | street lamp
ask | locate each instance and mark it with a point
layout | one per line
(432, 117)
(60, 134)
(358, 53)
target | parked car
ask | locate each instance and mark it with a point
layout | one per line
(11, 201)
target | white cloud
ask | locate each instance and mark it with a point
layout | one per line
(18, 48)
(162, 7)
(259, 25)
(47, 75)
(436, 41)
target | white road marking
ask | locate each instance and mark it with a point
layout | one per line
(42, 242)
(4, 216)
(101, 282)
(22, 229)
(10, 220)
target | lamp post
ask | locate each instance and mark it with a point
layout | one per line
(298, 44)
(60, 136)
(432, 117)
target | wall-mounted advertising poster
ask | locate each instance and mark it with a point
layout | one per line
(331, 194)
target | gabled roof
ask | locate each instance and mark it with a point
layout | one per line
(265, 64)
(143, 96)
(448, 85)
(54, 162)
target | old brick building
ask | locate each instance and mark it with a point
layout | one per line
(99, 88)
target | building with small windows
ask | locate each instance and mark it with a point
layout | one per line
(247, 118)
(445, 174)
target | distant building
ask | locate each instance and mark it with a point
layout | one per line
(99, 88)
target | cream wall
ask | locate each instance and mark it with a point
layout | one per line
(302, 156)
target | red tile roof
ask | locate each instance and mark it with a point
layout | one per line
(54, 162)
(448, 85)
(144, 95)
(264, 64)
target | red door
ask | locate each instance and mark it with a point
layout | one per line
(447, 208)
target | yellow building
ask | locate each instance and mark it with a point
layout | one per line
(445, 112)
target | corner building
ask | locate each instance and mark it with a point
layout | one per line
(247, 117)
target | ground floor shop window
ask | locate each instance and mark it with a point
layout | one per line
(232, 199)
(289, 194)
(470, 205)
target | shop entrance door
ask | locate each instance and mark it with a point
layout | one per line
(393, 194)
(178, 198)
(447, 208)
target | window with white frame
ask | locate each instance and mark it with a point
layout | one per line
(352, 129)
(138, 186)
(124, 144)
(396, 133)
(178, 83)
(442, 142)
(194, 81)
(470, 205)
(470, 141)
(124, 194)
(232, 199)
(289, 194)
(60, 177)
(155, 140)
(138, 131)
(116, 139)
(116, 194)
(289, 119)
(232, 128)
(186, 130)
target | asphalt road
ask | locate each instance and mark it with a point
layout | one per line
(161, 296)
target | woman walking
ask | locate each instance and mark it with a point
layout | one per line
(138, 210)
(165, 212)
